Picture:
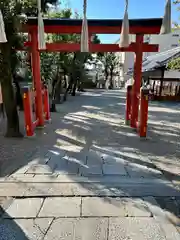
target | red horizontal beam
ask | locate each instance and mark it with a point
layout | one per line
(150, 47)
(95, 29)
(74, 47)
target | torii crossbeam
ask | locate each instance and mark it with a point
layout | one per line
(138, 27)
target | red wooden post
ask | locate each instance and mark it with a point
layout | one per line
(137, 80)
(46, 104)
(128, 104)
(37, 77)
(143, 112)
(28, 111)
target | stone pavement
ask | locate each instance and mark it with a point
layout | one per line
(88, 176)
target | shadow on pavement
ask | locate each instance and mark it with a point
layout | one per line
(94, 122)
(9, 228)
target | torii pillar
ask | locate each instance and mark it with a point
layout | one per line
(137, 80)
(36, 69)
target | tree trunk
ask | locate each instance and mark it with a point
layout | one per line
(58, 91)
(65, 81)
(53, 104)
(65, 86)
(53, 107)
(111, 80)
(8, 93)
(106, 78)
(74, 88)
(68, 88)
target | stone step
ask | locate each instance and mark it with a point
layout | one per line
(30, 178)
(124, 188)
(87, 228)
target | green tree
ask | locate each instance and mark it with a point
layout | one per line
(72, 64)
(110, 61)
(12, 11)
(174, 64)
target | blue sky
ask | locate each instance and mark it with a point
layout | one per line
(114, 9)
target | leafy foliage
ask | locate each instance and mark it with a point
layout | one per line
(13, 15)
(71, 63)
(109, 60)
(174, 64)
(29, 7)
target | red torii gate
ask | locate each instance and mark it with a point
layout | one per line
(138, 27)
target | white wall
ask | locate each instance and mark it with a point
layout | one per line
(127, 59)
(165, 42)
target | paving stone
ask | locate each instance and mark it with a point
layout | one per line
(100, 179)
(78, 228)
(112, 159)
(130, 156)
(22, 170)
(135, 229)
(114, 169)
(178, 228)
(61, 207)
(77, 157)
(21, 177)
(93, 158)
(49, 178)
(3, 179)
(139, 188)
(12, 189)
(139, 171)
(143, 190)
(72, 168)
(71, 189)
(39, 151)
(170, 208)
(51, 189)
(136, 207)
(90, 189)
(57, 162)
(51, 153)
(39, 160)
(154, 207)
(121, 186)
(178, 204)
(89, 170)
(30, 178)
(5, 202)
(62, 165)
(40, 169)
(169, 170)
(102, 207)
(169, 204)
(161, 216)
(24, 208)
(24, 229)
(70, 147)
(169, 230)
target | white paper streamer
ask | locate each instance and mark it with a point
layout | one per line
(84, 31)
(41, 34)
(3, 38)
(124, 39)
(166, 23)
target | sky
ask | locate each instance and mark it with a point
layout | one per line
(114, 9)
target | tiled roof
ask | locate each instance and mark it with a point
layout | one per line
(158, 60)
